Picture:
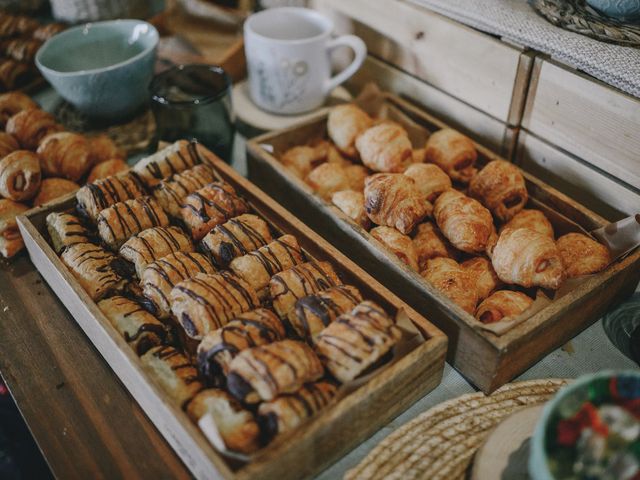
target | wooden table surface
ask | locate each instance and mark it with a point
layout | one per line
(83, 419)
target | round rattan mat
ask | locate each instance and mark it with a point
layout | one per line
(132, 135)
(576, 16)
(441, 442)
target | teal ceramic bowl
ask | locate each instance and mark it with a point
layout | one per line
(567, 398)
(102, 68)
(625, 10)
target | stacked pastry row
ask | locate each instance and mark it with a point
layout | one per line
(230, 318)
(20, 39)
(40, 162)
(463, 227)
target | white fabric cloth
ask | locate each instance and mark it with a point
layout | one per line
(517, 21)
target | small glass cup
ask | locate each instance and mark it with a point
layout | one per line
(193, 102)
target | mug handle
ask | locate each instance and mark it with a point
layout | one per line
(359, 49)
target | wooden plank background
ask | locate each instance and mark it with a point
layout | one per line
(74, 403)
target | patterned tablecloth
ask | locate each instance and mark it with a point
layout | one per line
(517, 21)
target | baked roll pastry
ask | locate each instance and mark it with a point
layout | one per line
(297, 282)
(237, 427)
(20, 175)
(21, 49)
(65, 230)
(14, 74)
(430, 179)
(454, 153)
(385, 148)
(502, 305)
(173, 371)
(356, 340)
(175, 158)
(351, 203)
(313, 313)
(288, 412)
(453, 281)
(64, 154)
(528, 258)
(12, 103)
(10, 239)
(268, 371)
(140, 329)
(106, 169)
(170, 193)
(302, 159)
(491, 243)
(8, 144)
(485, 276)
(97, 270)
(257, 267)
(53, 188)
(45, 32)
(103, 148)
(394, 200)
(119, 222)
(159, 277)
(11, 25)
(344, 124)
(533, 220)
(329, 178)
(430, 243)
(418, 155)
(153, 244)
(500, 187)
(235, 237)
(31, 126)
(582, 255)
(463, 221)
(398, 244)
(250, 329)
(209, 301)
(95, 197)
(209, 206)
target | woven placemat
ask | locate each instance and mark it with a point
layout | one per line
(133, 135)
(576, 16)
(441, 442)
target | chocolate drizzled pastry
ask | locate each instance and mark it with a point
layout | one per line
(247, 330)
(159, 278)
(120, 221)
(66, 230)
(238, 236)
(175, 158)
(140, 329)
(173, 371)
(356, 340)
(236, 426)
(97, 270)
(206, 302)
(209, 206)
(289, 411)
(171, 192)
(153, 244)
(259, 266)
(265, 372)
(297, 282)
(315, 312)
(95, 197)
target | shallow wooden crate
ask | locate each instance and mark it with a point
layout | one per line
(301, 453)
(485, 359)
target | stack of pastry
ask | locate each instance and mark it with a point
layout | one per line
(39, 162)
(20, 39)
(461, 225)
(232, 320)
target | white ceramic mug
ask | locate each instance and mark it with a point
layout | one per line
(288, 57)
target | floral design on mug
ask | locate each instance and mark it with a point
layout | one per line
(290, 79)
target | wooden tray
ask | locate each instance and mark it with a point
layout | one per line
(485, 359)
(303, 452)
